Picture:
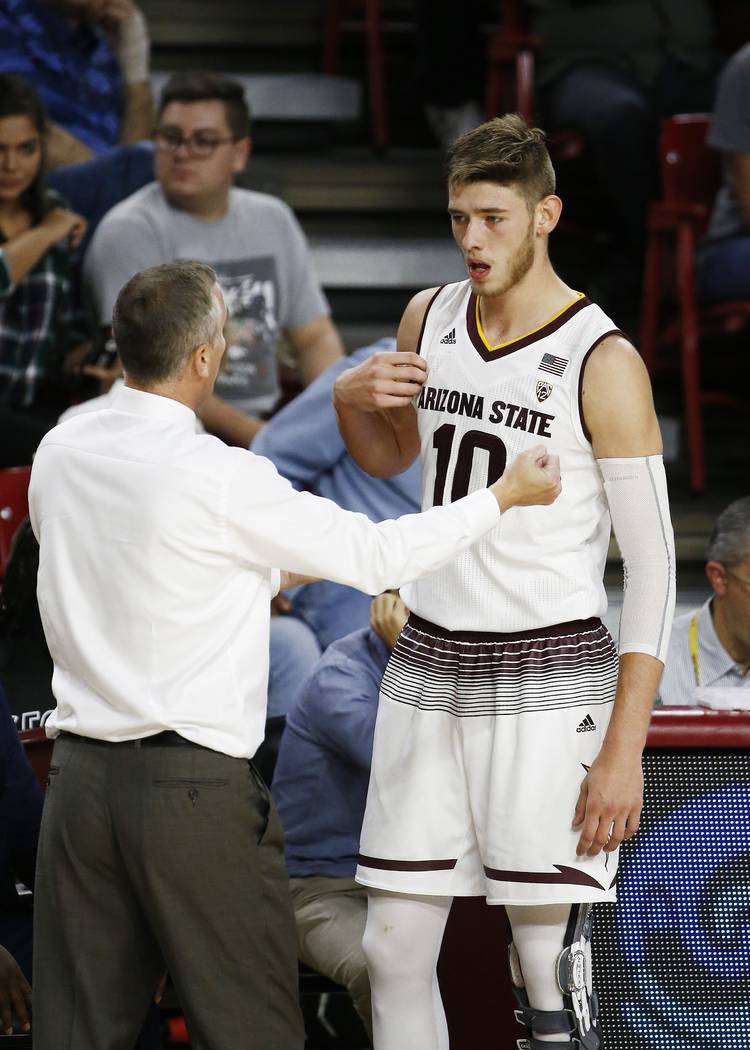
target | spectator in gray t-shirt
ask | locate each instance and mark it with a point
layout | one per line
(252, 240)
(723, 265)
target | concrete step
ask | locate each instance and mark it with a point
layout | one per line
(372, 264)
(356, 183)
(292, 97)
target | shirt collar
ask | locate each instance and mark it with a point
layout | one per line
(153, 406)
(715, 661)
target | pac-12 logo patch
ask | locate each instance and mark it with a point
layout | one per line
(543, 390)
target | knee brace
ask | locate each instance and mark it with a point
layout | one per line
(579, 1017)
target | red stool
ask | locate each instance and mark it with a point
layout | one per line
(690, 174)
(14, 506)
(363, 16)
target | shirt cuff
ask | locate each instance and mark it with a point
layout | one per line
(482, 509)
(275, 582)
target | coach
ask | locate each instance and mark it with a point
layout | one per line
(160, 845)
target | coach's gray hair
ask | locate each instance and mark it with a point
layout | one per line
(161, 315)
(730, 538)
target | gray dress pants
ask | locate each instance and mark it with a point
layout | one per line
(331, 914)
(161, 857)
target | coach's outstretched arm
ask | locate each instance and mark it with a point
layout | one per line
(274, 524)
(532, 479)
(619, 413)
(374, 401)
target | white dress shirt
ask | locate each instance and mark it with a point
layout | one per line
(155, 569)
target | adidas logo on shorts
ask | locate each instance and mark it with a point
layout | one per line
(450, 337)
(588, 725)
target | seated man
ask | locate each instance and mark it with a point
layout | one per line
(252, 241)
(304, 444)
(320, 788)
(89, 61)
(709, 653)
(723, 263)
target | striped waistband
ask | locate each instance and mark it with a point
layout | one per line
(557, 630)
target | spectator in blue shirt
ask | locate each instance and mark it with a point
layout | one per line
(89, 62)
(304, 444)
(320, 789)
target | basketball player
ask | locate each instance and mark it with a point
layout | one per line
(508, 745)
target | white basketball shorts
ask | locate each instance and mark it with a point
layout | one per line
(481, 743)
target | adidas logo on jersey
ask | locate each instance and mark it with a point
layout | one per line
(450, 337)
(588, 725)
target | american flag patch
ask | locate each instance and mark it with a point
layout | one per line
(555, 365)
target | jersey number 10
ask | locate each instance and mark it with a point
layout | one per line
(442, 441)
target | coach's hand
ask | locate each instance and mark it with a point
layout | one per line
(386, 380)
(15, 994)
(609, 804)
(533, 478)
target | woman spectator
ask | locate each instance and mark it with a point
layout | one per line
(40, 330)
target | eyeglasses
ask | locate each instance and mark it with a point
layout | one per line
(201, 144)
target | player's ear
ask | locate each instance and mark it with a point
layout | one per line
(547, 214)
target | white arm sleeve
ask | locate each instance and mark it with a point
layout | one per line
(636, 491)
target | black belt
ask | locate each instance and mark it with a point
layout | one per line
(168, 738)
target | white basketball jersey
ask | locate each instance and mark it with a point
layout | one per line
(479, 408)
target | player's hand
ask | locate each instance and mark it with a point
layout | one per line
(15, 994)
(388, 614)
(532, 479)
(609, 804)
(390, 379)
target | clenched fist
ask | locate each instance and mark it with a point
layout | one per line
(532, 479)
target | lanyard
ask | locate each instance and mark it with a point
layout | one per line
(693, 642)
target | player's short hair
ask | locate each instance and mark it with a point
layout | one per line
(504, 150)
(207, 87)
(161, 315)
(729, 543)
